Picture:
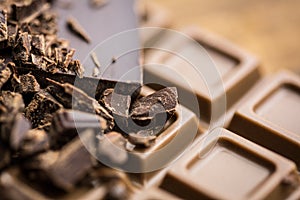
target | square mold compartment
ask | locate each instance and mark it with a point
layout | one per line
(183, 59)
(271, 117)
(226, 166)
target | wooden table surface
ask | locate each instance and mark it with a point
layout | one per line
(270, 29)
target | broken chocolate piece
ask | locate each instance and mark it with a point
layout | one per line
(12, 34)
(72, 97)
(25, 11)
(77, 29)
(23, 48)
(26, 84)
(38, 45)
(166, 97)
(45, 24)
(75, 66)
(40, 109)
(67, 124)
(67, 167)
(5, 73)
(63, 57)
(116, 103)
(3, 25)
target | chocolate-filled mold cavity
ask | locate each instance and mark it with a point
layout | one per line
(270, 117)
(177, 134)
(236, 70)
(199, 174)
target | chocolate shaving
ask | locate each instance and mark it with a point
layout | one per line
(3, 25)
(95, 59)
(98, 3)
(5, 74)
(77, 29)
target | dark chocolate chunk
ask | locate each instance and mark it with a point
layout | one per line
(72, 97)
(77, 29)
(166, 97)
(40, 110)
(12, 34)
(23, 48)
(63, 57)
(38, 45)
(26, 84)
(5, 73)
(3, 25)
(67, 124)
(116, 103)
(45, 24)
(68, 166)
(75, 66)
(25, 11)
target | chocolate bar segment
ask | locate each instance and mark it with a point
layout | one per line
(217, 83)
(269, 118)
(228, 166)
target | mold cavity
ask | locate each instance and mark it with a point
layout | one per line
(282, 107)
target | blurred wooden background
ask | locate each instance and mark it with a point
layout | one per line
(270, 29)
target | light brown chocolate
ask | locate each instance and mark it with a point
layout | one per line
(238, 70)
(270, 117)
(227, 166)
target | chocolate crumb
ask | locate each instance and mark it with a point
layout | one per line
(95, 59)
